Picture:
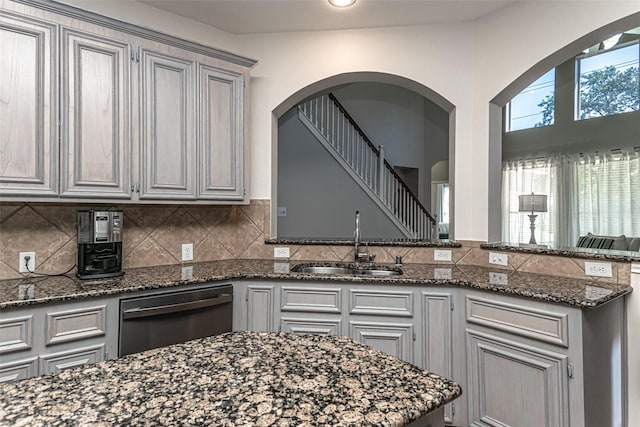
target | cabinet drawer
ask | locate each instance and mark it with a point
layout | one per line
(317, 300)
(311, 326)
(15, 334)
(73, 325)
(70, 359)
(527, 322)
(381, 303)
(19, 369)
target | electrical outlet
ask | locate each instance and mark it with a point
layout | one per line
(498, 278)
(281, 252)
(441, 255)
(22, 266)
(282, 211)
(498, 259)
(187, 252)
(599, 269)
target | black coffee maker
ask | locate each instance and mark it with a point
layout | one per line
(99, 244)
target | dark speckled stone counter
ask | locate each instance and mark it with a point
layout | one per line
(241, 378)
(575, 292)
(588, 253)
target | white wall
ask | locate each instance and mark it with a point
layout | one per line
(469, 64)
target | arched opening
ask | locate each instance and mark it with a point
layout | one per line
(295, 188)
(560, 60)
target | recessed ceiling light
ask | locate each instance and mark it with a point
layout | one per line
(342, 3)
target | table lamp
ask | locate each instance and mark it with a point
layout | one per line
(533, 203)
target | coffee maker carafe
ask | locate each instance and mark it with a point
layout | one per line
(99, 244)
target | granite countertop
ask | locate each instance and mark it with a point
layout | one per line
(568, 251)
(238, 378)
(580, 293)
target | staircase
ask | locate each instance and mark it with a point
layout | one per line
(336, 130)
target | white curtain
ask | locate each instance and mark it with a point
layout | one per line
(587, 192)
(609, 193)
(526, 177)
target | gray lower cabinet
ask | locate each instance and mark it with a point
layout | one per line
(410, 322)
(36, 341)
(539, 364)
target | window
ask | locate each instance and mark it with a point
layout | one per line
(534, 106)
(607, 82)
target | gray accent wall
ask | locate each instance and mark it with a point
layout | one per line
(321, 197)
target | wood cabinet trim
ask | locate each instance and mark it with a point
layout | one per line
(537, 324)
(311, 326)
(377, 304)
(19, 369)
(331, 299)
(69, 359)
(16, 334)
(92, 319)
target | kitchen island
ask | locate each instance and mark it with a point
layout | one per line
(240, 378)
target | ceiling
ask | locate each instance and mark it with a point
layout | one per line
(268, 16)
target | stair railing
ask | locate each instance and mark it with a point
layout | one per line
(350, 142)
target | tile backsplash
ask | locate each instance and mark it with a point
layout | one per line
(153, 235)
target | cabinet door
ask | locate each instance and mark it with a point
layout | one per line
(260, 308)
(70, 359)
(96, 120)
(395, 339)
(28, 114)
(221, 139)
(437, 344)
(168, 139)
(514, 384)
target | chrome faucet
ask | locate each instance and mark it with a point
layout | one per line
(357, 255)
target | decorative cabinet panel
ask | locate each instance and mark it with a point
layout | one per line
(515, 385)
(167, 116)
(96, 115)
(19, 369)
(395, 339)
(94, 109)
(260, 307)
(221, 121)
(28, 107)
(16, 334)
(311, 326)
(73, 325)
(70, 359)
(437, 338)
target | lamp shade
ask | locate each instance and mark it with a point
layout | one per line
(533, 203)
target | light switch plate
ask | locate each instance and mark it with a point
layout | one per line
(498, 259)
(442, 255)
(281, 252)
(599, 269)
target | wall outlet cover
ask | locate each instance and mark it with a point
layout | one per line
(281, 252)
(187, 252)
(498, 259)
(442, 255)
(22, 266)
(282, 211)
(598, 269)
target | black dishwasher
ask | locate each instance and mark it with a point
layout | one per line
(163, 319)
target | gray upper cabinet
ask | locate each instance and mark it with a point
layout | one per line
(221, 150)
(143, 116)
(96, 116)
(168, 140)
(28, 99)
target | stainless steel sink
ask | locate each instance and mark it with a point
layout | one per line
(346, 269)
